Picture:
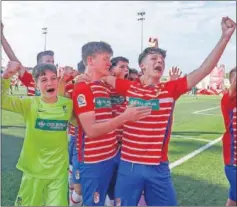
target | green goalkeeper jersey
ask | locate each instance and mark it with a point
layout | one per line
(44, 153)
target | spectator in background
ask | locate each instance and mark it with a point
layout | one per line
(133, 74)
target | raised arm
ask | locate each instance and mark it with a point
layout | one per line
(228, 28)
(13, 103)
(25, 77)
(7, 48)
(84, 109)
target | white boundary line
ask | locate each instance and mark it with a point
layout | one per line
(197, 112)
(191, 138)
(207, 114)
(194, 153)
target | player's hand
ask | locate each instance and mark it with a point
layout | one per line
(83, 78)
(153, 42)
(68, 74)
(11, 69)
(228, 27)
(175, 73)
(133, 113)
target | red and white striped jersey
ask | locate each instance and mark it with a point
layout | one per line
(94, 97)
(146, 141)
(118, 107)
(229, 139)
(71, 129)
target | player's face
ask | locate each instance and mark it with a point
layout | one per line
(101, 63)
(133, 76)
(48, 59)
(48, 84)
(120, 70)
(153, 65)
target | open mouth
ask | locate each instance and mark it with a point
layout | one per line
(50, 90)
(158, 68)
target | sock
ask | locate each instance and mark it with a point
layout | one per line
(75, 199)
(108, 202)
(70, 180)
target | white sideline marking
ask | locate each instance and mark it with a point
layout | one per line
(192, 138)
(197, 112)
(209, 114)
(194, 153)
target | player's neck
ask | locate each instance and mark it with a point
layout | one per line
(150, 80)
(93, 74)
(49, 100)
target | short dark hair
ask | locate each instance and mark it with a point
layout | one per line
(44, 53)
(132, 70)
(115, 60)
(92, 48)
(81, 67)
(232, 71)
(151, 50)
(40, 69)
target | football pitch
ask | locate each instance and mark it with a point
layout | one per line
(195, 152)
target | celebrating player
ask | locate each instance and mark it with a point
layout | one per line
(44, 156)
(144, 159)
(97, 140)
(228, 106)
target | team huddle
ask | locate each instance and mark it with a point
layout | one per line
(118, 127)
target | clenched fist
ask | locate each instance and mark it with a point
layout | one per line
(228, 27)
(11, 69)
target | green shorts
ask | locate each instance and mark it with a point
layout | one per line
(42, 192)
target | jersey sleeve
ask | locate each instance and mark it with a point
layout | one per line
(83, 99)
(178, 87)
(15, 104)
(27, 79)
(121, 86)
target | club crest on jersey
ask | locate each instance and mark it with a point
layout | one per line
(65, 109)
(19, 201)
(81, 100)
(77, 175)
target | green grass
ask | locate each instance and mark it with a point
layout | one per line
(199, 181)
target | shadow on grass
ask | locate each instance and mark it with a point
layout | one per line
(192, 192)
(10, 176)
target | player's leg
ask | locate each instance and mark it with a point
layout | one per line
(130, 184)
(142, 201)
(71, 140)
(159, 189)
(76, 196)
(31, 192)
(95, 180)
(111, 190)
(70, 182)
(56, 192)
(230, 172)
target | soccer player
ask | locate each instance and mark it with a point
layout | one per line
(119, 68)
(44, 156)
(228, 106)
(133, 74)
(144, 159)
(97, 140)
